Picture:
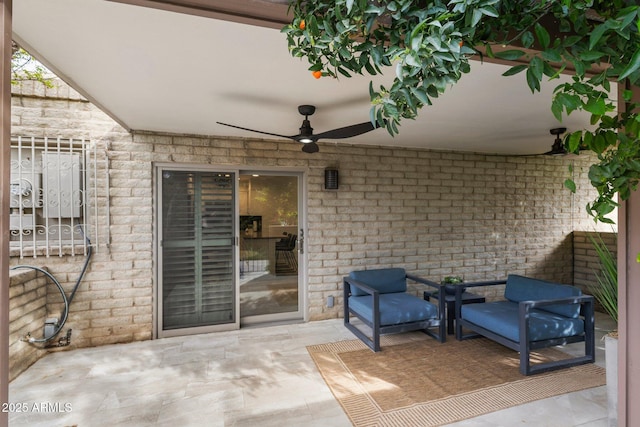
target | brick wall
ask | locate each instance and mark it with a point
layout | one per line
(586, 261)
(27, 312)
(439, 214)
(433, 213)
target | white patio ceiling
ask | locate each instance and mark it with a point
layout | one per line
(164, 71)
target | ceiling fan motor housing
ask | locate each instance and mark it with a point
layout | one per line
(557, 149)
(306, 110)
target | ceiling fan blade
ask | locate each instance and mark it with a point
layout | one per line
(310, 147)
(258, 131)
(347, 131)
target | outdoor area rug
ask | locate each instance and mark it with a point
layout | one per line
(419, 382)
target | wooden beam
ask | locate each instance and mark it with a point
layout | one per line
(265, 13)
(628, 302)
(5, 176)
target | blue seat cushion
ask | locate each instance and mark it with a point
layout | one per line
(384, 280)
(395, 308)
(501, 317)
(520, 288)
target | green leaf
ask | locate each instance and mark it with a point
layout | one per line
(312, 26)
(568, 183)
(476, 17)
(599, 143)
(532, 81)
(527, 39)
(590, 55)
(343, 72)
(596, 106)
(571, 102)
(556, 109)
(421, 95)
(510, 55)
(349, 5)
(489, 11)
(570, 41)
(370, 68)
(542, 35)
(634, 64)
(489, 51)
(549, 71)
(575, 139)
(537, 67)
(587, 140)
(551, 55)
(514, 70)
(596, 34)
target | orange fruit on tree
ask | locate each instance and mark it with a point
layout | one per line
(302, 25)
(317, 74)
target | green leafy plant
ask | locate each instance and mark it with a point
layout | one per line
(25, 67)
(606, 292)
(452, 280)
(428, 44)
(451, 283)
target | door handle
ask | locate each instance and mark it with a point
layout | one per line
(301, 242)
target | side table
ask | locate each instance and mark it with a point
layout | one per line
(450, 300)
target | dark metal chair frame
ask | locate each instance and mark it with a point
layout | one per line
(376, 329)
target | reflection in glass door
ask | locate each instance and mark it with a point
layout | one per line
(197, 251)
(270, 239)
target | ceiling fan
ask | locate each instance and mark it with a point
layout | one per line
(557, 149)
(306, 135)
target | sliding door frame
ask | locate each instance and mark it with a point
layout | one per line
(158, 168)
(159, 332)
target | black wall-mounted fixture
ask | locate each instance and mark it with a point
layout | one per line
(331, 179)
(557, 149)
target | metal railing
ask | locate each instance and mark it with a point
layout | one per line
(59, 202)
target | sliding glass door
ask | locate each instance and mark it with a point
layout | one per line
(230, 249)
(271, 246)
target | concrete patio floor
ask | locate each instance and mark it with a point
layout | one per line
(251, 377)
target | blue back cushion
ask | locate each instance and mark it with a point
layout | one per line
(520, 288)
(384, 280)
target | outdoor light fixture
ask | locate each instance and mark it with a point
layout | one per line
(331, 179)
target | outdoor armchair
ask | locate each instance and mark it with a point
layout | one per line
(379, 299)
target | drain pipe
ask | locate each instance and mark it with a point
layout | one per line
(52, 326)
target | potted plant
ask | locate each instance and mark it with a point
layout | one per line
(606, 293)
(451, 282)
